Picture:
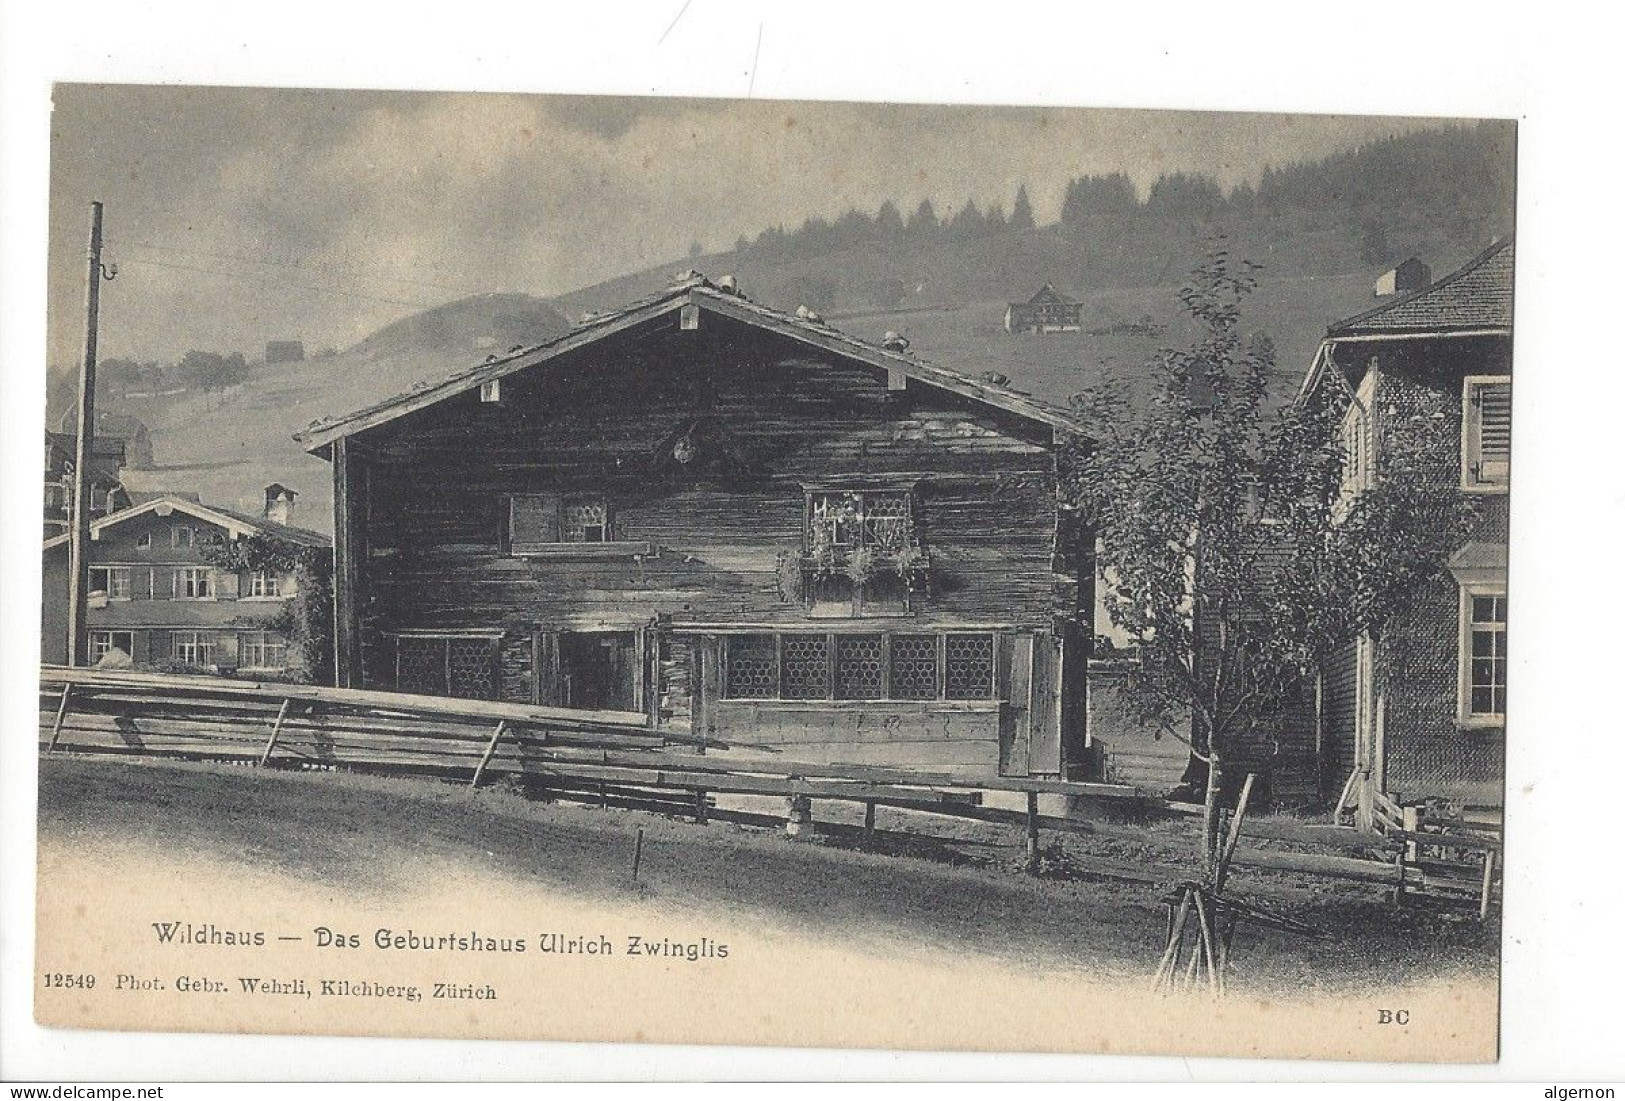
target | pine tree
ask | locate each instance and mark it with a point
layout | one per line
(888, 222)
(924, 221)
(1021, 216)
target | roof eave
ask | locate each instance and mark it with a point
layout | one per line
(318, 441)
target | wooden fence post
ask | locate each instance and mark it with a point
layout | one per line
(1032, 832)
(276, 731)
(61, 713)
(490, 751)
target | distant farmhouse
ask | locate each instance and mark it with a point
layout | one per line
(1044, 312)
(158, 601)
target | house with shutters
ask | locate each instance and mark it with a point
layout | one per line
(158, 600)
(733, 520)
(1418, 712)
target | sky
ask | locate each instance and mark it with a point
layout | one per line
(238, 216)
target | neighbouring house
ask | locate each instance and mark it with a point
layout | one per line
(123, 428)
(1417, 713)
(107, 492)
(1044, 312)
(736, 521)
(158, 598)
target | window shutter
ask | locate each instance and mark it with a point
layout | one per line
(533, 519)
(232, 585)
(287, 584)
(1492, 405)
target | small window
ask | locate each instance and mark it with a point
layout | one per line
(264, 583)
(846, 519)
(547, 519)
(1483, 656)
(103, 643)
(859, 667)
(586, 521)
(114, 581)
(261, 650)
(144, 541)
(194, 583)
(914, 667)
(804, 661)
(752, 667)
(1486, 432)
(462, 666)
(491, 390)
(968, 666)
(194, 648)
(181, 536)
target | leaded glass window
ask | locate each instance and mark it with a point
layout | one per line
(968, 666)
(859, 671)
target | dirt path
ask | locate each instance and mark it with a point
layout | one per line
(383, 835)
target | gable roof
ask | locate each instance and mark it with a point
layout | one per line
(1045, 294)
(101, 446)
(692, 290)
(1473, 300)
(236, 523)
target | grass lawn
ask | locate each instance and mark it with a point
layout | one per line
(958, 892)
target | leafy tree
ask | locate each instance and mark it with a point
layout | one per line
(1021, 215)
(1233, 559)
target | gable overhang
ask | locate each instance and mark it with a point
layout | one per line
(318, 439)
(164, 506)
(1324, 355)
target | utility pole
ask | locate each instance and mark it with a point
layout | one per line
(83, 448)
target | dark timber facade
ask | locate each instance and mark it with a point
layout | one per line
(732, 521)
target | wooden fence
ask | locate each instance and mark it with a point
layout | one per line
(605, 755)
(290, 725)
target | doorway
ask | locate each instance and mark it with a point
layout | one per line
(598, 671)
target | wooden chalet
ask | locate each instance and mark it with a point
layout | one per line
(736, 521)
(1045, 312)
